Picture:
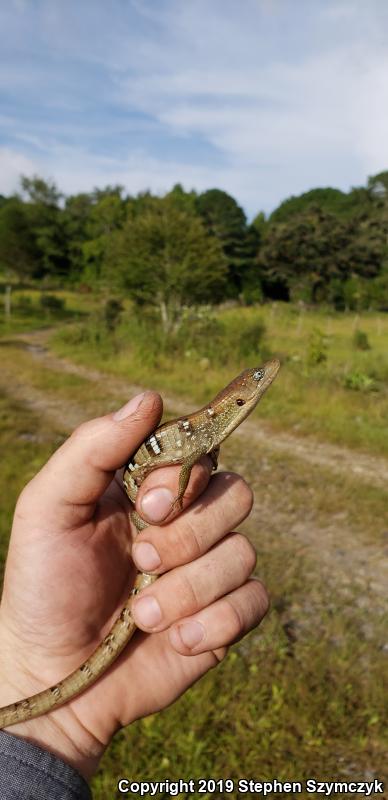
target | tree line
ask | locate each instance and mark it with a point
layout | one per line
(324, 246)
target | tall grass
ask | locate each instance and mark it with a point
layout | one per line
(328, 386)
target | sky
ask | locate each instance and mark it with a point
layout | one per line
(261, 98)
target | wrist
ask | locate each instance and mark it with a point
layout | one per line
(61, 731)
(79, 751)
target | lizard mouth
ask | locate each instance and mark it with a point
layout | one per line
(271, 367)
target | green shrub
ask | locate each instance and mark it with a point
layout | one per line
(112, 312)
(202, 336)
(23, 302)
(51, 302)
(359, 381)
(317, 348)
(250, 339)
(360, 340)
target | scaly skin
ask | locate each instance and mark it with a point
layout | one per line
(180, 441)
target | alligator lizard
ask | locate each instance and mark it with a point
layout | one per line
(179, 441)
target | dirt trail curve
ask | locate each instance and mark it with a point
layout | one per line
(345, 556)
(340, 460)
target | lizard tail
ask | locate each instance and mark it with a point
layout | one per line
(88, 673)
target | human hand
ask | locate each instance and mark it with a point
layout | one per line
(69, 572)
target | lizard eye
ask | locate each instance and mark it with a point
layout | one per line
(258, 375)
(240, 402)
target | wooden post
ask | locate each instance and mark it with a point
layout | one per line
(7, 301)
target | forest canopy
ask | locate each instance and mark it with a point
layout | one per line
(324, 246)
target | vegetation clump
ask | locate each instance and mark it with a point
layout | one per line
(51, 302)
(317, 348)
(325, 247)
(359, 382)
(360, 340)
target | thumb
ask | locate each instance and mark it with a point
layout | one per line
(67, 488)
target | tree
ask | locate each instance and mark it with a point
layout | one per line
(76, 215)
(302, 258)
(165, 258)
(40, 192)
(19, 253)
(378, 185)
(108, 191)
(226, 221)
(328, 200)
(46, 220)
(181, 199)
(260, 223)
(106, 216)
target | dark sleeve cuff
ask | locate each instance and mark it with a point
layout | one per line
(29, 773)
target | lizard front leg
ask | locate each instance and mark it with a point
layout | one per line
(184, 476)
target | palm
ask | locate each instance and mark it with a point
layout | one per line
(86, 575)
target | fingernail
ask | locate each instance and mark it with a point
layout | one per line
(147, 612)
(146, 556)
(129, 407)
(156, 504)
(191, 633)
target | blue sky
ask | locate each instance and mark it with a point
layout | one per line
(262, 98)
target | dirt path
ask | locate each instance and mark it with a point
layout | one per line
(340, 552)
(340, 460)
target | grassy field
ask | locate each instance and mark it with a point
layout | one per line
(305, 696)
(330, 386)
(334, 380)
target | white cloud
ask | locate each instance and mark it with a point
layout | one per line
(12, 165)
(370, 111)
(317, 117)
(318, 120)
(287, 96)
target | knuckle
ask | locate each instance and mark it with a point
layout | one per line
(261, 596)
(191, 536)
(25, 497)
(31, 494)
(244, 495)
(80, 431)
(188, 594)
(186, 541)
(245, 552)
(236, 622)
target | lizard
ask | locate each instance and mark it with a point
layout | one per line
(179, 441)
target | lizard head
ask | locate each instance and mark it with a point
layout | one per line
(254, 382)
(233, 404)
